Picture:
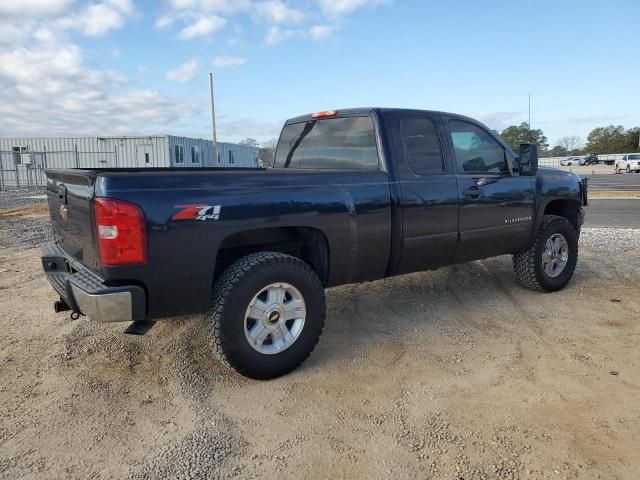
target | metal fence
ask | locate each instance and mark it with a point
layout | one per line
(25, 169)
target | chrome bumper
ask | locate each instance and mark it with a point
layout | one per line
(104, 307)
(85, 293)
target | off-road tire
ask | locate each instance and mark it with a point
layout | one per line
(231, 295)
(527, 264)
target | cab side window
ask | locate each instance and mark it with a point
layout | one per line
(422, 146)
(475, 149)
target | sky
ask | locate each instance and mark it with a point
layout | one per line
(112, 67)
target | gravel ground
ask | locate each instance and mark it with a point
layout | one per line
(453, 374)
(24, 228)
(21, 197)
(24, 233)
(603, 239)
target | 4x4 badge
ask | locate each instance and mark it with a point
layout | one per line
(197, 212)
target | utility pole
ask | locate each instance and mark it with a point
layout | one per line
(529, 110)
(213, 121)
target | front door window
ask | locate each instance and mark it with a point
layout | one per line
(476, 150)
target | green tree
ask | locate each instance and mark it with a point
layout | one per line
(632, 140)
(267, 150)
(609, 139)
(558, 151)
(517, 134)
(571, 143)
(249, 142)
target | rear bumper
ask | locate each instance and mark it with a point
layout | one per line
(85, 293)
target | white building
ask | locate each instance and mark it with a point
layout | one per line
(23, 159)
(131, 151)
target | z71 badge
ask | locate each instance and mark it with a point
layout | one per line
(197, 212)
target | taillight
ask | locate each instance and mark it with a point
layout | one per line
(122, 238)
(325, 114)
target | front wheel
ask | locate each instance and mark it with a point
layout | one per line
(549, 263)
(266, 315)
(628, 168)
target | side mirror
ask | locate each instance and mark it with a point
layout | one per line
(528, 159)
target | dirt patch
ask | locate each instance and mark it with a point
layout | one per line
(30, 211)
(604, 195)
(453, 374)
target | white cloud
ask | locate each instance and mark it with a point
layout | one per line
(275, 35)
(97, 19)
(321, 32)
(211, 6)
(274, 11)
(228, 62)
(501, 120)
(11, 33)
(47, 88)
(343, 7)
(199, 18)
(183, 73)
(164, 21)
(33, 8)
(203, 27)
(283, 19)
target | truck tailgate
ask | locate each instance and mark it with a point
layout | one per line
(69, 194)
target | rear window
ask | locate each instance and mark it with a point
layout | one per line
(335, 143)
(634, 157)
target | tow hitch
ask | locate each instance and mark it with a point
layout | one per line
(60, 306)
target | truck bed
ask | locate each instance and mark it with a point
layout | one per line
(349, 209)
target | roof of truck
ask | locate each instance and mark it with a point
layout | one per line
(362, 111)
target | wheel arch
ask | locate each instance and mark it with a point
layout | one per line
(568, 208)
(309, 244)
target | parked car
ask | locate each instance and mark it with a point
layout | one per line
(353, 196)
(567, 162)
(630, 162)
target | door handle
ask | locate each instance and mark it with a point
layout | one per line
(485, 181)
(472, 192)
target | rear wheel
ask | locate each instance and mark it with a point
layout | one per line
(549, 263)
(266, 315)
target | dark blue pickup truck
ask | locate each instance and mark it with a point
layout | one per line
(352, 196)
